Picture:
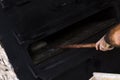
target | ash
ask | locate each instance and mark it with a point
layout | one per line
(6, 69)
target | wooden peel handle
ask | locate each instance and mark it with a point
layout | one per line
(89, 45)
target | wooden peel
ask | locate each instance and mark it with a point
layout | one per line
(88, 45)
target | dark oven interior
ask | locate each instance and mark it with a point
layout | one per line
(46, 48)
(67, 64)
(32, 30)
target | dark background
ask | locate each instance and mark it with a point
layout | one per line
(24, 21)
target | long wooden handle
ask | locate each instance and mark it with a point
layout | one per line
(89, 45)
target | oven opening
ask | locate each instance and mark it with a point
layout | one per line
(45, 49)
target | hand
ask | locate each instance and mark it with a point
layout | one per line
(102, 45)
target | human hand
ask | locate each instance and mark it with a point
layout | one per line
(102, 45)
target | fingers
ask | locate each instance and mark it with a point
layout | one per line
(103, 46)
(100, 47)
